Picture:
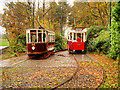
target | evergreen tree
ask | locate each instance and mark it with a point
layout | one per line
(115, 32)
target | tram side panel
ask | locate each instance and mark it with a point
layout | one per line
(50, 46)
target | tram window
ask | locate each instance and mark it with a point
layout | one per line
(52, 38)
(44, 37)
(48, 38)
(70, 36)
(79, 35)
(28, 37)
(39, 31)
(33, 37)
(75, 36)
(39, 37)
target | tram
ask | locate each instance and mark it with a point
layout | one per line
(77, 40)
(40, 43)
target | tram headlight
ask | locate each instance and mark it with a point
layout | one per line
(33, 47)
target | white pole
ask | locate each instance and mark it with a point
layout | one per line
(42, 35)
(81, 37)
(29, 37)
(84, 37)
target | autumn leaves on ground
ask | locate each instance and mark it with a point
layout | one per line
(111, 69)
(89, 75)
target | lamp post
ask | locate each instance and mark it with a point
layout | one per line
(61, 24)
(61, 18)
(109, 24)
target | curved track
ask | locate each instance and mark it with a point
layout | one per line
(104, 74)
(67, 80)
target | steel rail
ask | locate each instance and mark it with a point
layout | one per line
(104, 73)
(103, 80)
(55, 87)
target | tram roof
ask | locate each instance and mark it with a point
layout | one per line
(41, 29)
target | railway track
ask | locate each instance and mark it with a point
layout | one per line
(67, 80)
(77, 69)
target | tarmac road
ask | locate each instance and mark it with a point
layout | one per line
(59, 59)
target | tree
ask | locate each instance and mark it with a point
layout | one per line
(115, 32)
(16, 19)
(86, 14)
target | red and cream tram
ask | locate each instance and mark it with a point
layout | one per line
(77, 39)
(40, 43)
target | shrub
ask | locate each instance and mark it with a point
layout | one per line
(19, 45)
(101, 43)
(97, 39)
(60, 42)
(94, 32)
(115, 32)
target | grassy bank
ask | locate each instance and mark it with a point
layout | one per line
(4, 42)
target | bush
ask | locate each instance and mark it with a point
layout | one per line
(94, 32)
(98, 39)
(101, 43)
(115, 32)
(60, 42)
(19, 45)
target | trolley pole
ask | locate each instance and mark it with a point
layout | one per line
(33, 13)
(109, 24)
(43, 12)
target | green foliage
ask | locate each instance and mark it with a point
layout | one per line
(101, 43)
(94, 32)
(4, 42)
(98, 39)
(115, 32)
(60, 42)
(19, 45)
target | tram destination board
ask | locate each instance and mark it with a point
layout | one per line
(78, 28)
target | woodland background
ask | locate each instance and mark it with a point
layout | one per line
(19, 16)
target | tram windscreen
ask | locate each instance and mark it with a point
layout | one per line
(33, 37)
(70, 36)
(78, 28)
(80, 35)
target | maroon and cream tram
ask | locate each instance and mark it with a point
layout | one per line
(40, 43)
(77, 39)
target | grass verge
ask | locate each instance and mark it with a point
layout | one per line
(4, 42)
